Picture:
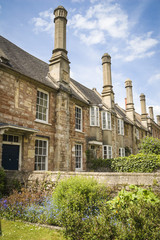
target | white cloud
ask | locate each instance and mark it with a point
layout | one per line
(154, 79)
(94, 37)
(44, 23)
(140, 47)
(104, 19)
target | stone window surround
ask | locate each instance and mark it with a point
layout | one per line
(108, 150)
(79, 156)
(106, 120)
(47, 107)
(137, 133)
(46, 155)
(121, 152)
(94, 116)
(81, 121)
(120, 127)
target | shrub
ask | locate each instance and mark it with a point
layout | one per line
(2, 182)
(136, 214)
(136, 163)
(98, 164)
(78, 200)
(150, 145)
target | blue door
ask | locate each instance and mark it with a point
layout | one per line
(10, 157)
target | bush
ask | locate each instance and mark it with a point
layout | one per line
(2, 182)
(98, 164)
(78, 200)
(150, 145)
(136, 214)
(136, 163)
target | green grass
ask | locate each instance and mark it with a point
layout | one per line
(23, 231)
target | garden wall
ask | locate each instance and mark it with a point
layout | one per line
(108, 178)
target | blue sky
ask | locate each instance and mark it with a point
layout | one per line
(129, 30)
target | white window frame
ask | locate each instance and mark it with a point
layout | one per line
(121, 152)
(94, 116)
(137, 133)
(80, 119)
(106, 120)
(78, 156)
(42, 154)
(120, 126)
(108, 150)
(46, 108)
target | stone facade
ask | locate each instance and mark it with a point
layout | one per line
(48, 121)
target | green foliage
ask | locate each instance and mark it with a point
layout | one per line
(78, 200)
(132, 197)
(99, 163)
(150, 145)
(136, 163)
(136, 214)
(2, 182)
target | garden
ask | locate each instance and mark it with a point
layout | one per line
(84, 209)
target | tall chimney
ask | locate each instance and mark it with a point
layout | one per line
(151, 113)
(107, 93)
(59, 68)
(158, 120)
(130, 105)
(143, 109)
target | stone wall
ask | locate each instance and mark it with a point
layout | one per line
(18, 96)
(109, 178)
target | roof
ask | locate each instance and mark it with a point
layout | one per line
(92, 97)
(23, 62)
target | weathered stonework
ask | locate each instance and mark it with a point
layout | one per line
(50, 118)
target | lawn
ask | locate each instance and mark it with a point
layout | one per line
(19, 231)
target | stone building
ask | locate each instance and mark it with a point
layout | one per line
(48, 121)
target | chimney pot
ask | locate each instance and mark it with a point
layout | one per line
(158, 120)
(151, 113)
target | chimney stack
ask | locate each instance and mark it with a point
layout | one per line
(158, 120)
(143, 109)
(59, 68)
(129, 102)
(151, 113)
(107, 93)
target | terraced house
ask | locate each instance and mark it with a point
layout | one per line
(48, 120)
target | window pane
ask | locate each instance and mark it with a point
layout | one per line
(40, 154)
(104, 120)
(10, 138)
(78, 118)
(4, 137)
(78, 156)
(42, 106)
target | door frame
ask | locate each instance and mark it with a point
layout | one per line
(20, 148)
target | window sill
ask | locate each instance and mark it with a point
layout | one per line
(104, 129)
(94, 126)
(79, 131)
(39, 121)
